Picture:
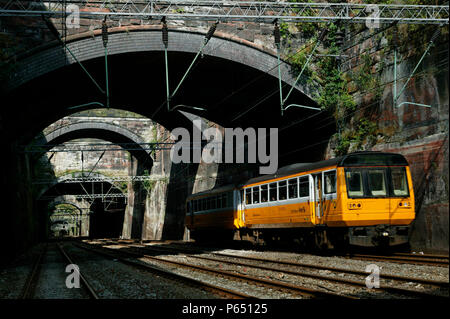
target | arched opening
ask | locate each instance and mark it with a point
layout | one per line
(101, 209)
(64, 220)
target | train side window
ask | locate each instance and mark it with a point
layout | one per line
(293, 188)
(230, 199)
(273, 192)
(223, 200)
(202, 204)
(399, 181)
(189, 207)
(264, 193)
(219, 201)
(330, 182)
(282, 191)
(304, 186)
(214, 202)
(248, 196)
(354, 183)
(196, 205)
(377, 182)
(256, 195)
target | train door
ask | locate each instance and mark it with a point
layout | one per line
(190, 213)
(317, 198)
(239, 208)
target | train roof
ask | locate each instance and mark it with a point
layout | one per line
(367, 158)
(217, 190)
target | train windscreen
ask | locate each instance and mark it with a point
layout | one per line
(376, 182)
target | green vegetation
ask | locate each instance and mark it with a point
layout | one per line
(365, 131)
(333, 94)
(148, 184)
(108, 113)
(353, 96)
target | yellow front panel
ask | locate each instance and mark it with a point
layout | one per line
(370, 211)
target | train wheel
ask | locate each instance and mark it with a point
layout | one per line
(321, 240)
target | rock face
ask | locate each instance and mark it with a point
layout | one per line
(419, 133)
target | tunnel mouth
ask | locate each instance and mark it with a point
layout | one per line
(98, 217)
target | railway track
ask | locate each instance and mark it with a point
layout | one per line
(221, 291)
(293, 289)
(27, 290)
(406, 258)
(263, 264)
(359, 283)
(416, 259)
(47, 277)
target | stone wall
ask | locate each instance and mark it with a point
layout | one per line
(419, 133)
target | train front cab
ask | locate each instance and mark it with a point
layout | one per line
(376, 199)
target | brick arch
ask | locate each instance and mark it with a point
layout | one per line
(101, 130)
(67, 199)
(122, 40)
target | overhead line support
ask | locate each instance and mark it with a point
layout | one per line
(261, 11)
(278, 45)
(165, 38)
(395, 95)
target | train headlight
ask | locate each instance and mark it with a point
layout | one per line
(385, 234)
(404, 204)
(355, 205)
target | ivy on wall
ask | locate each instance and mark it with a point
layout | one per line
(353, 97)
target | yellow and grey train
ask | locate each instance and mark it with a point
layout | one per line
(361, 199)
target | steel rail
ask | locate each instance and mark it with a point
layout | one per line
(238, 11)
(389, 289)
(432, 256)
(92, 293)
(216, 289)
(291, 288)
(27, 291)
(399, 259)
(321, 267)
